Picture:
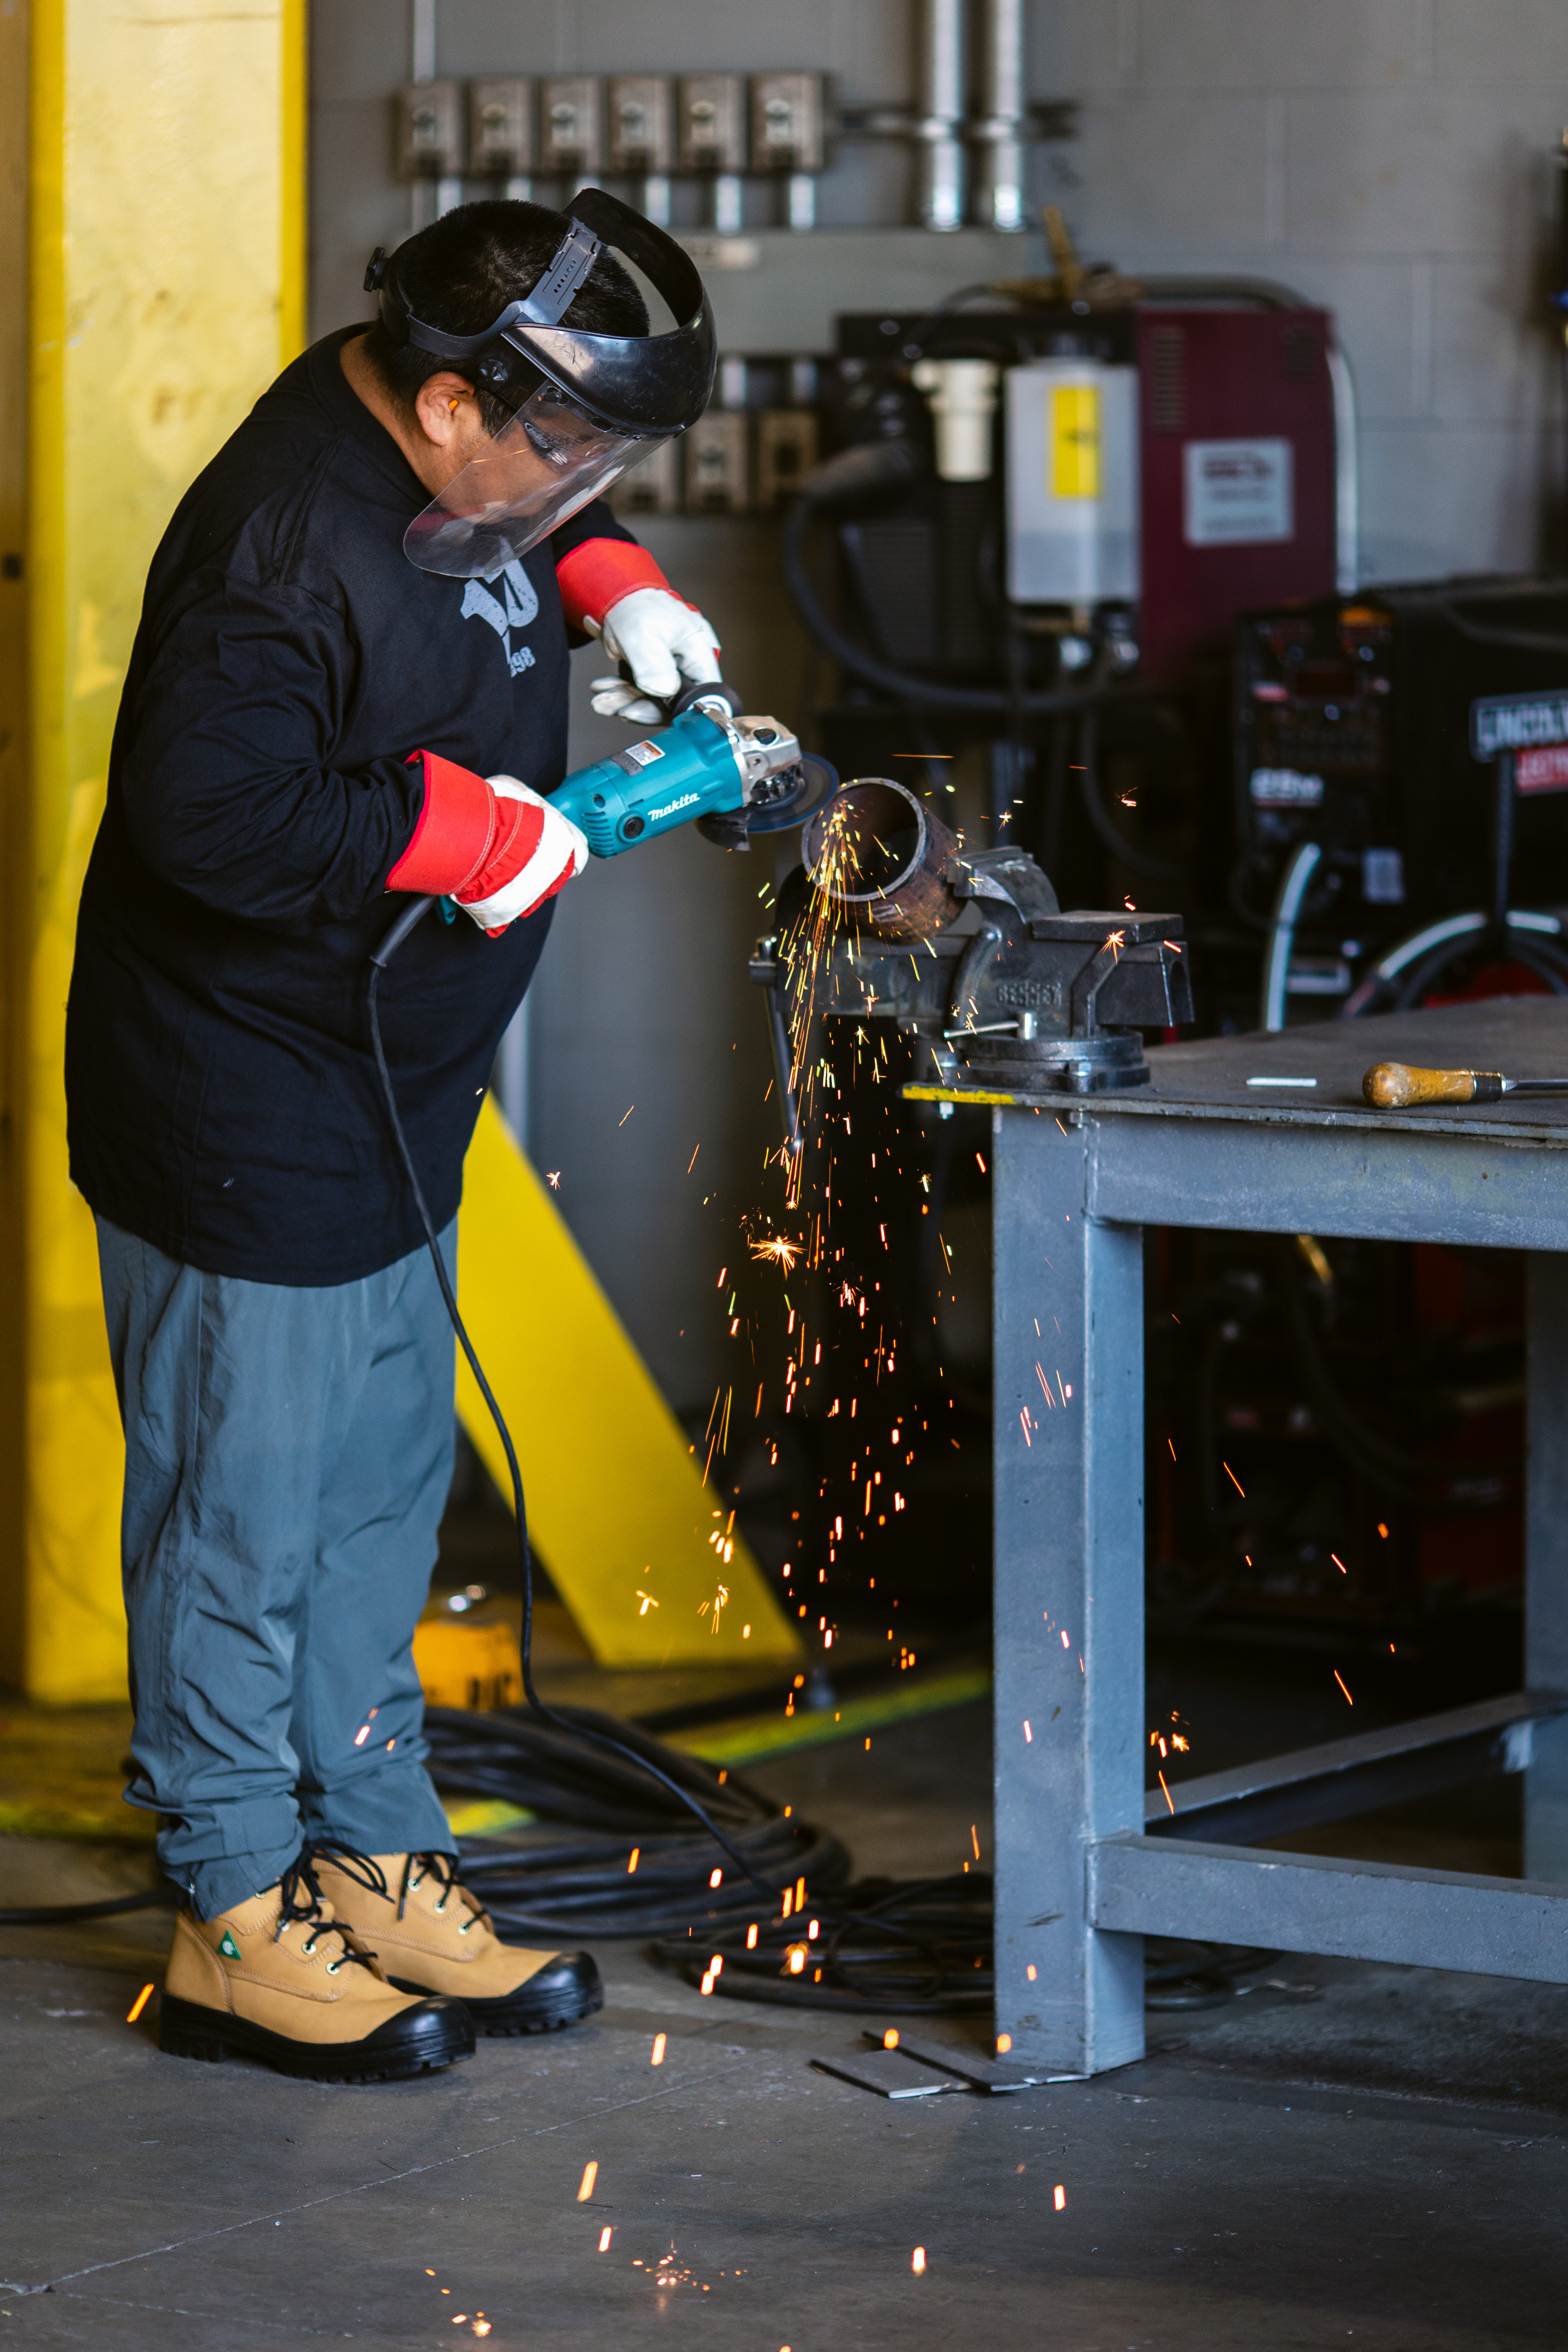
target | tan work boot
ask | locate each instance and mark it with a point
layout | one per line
(279, 1979)
(432, 1935)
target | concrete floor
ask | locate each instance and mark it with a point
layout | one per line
(1346, 2156)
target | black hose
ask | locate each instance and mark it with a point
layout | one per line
(1544, 962)
(919, 693)
(1539, 955)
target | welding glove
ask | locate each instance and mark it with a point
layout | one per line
(664, 643)
(534, 851)
(496, 849)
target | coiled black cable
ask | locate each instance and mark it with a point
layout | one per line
(908, 1949)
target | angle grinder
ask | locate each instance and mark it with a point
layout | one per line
(734, 776)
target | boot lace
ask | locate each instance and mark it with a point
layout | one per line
(300, 1898)
(442, 1868)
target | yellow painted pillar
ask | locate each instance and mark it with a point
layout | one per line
(153, 204)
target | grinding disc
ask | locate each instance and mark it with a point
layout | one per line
(818, 783)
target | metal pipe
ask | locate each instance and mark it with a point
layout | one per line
(997, 197)
(428, 199)
(939, 109)
(881, 859)
(1347, 504)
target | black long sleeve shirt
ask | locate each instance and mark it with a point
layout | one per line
(223, 1100)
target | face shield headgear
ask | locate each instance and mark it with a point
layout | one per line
(584, 407)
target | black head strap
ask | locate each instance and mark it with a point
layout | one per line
(545, 306)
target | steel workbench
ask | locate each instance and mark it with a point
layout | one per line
(1085, 1868)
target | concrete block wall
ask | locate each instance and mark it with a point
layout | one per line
(360, 51)
(1393, 160)
(1390, 158)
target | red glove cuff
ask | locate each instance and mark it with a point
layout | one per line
(518, 825)
(457, 827)
(599, 573)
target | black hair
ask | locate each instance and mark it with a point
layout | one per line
(462, 270)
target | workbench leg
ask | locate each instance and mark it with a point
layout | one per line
(1069, 1488)
(1546, 1562)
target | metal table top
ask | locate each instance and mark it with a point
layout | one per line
(1199, 1146)
(1524, 1036)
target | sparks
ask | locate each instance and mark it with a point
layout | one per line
(555, 1180)
(139, 2004)
(777, 1250)
(585, 2187)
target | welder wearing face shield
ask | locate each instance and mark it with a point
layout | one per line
(349, 679)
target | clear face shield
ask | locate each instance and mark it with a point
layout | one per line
(546, 462)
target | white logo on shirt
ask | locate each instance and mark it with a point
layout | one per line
(519, 608)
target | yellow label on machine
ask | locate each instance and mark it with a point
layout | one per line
(1075, 441)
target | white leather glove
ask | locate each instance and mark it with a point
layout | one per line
(663, 642)
(535, 852)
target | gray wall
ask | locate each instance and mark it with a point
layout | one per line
(1388, 157)
(1392, 159)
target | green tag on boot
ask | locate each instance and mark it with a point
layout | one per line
(229, 1949)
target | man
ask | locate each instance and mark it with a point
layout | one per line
(350, 679)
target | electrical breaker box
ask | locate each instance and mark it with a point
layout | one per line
(1237, 472)
(1072, 482)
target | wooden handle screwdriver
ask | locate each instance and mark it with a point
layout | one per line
(1394, 1085)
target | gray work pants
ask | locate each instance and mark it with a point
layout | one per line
(288, 1456)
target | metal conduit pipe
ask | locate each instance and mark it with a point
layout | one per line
(939, 111)
(998, 199)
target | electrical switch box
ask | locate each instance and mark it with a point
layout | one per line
(1072, 482)
(428, 137)
(786, 449)
(712, 117)
(571, 146)
(641, 124)
(786, 117)
(716, 463)
(501, 128)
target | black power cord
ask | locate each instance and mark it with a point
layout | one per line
(567, 1721)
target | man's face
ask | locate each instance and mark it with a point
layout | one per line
(527, 464)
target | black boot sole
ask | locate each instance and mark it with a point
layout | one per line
(561, 1995)
(420, 2042)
